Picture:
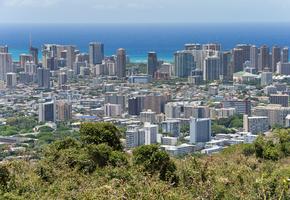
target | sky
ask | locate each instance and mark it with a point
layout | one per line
(143, 11)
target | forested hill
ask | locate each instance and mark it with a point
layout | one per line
(96, 167)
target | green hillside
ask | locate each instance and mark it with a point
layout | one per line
(95, 167)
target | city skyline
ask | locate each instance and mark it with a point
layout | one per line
(129, 11)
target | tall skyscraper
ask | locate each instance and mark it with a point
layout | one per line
(184, 63)
(34, 52)
(227, 66)
(5, 65)
(47, 112)
(121, 63)
(285, 55)
(43, 78)
(96, 53)
(212, 68)
(264, 58)
(64, 110)
(70, 54)
(254, 55)
(246, 51)
(200, 130)
(136, 105)
(152, 63)
(238, 59)
(276, 57)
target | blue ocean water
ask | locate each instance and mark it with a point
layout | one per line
(138, 39)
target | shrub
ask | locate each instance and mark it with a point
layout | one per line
(4, 177)
(98, 133)
(118, 159)
(154, 160)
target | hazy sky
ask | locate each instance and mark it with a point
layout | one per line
(127, 11)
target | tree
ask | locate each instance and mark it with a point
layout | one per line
(154, 161)
(99, 154)
(118, 159)
(98, 133)
(4, 177)
(185, 129)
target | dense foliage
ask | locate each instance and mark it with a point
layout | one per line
(227, 125)
(16, 125)
(95, 168)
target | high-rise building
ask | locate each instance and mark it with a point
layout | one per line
(254, 55)
(148, 116)
(34, 52)
(136, 105)
(246, 51)
(114, 98)
(212, 68)
(266, 78)
(283, 68)
(11, 80)
(264, 58)
(256, 124)
(151, 132)
(276, 57)
(83, 57)
(4, 49)
(69, 54)
(152, 63)
(184, 63)
(172, 110)
(112, 110)
(24, 58)
(281, 99)
(212, 47)
(238, 59)
(121, 63)
(285, 55)
(193, 47)
(200, 130)
(227, 66)
(64, 110)
(171, 126)
(96, 53)
(242, 107)
(196, 111)
(155, 102)
(43, 78)
(5, 65)
(134, 137)
(62, 78)
(47, 112)
(275, 113)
